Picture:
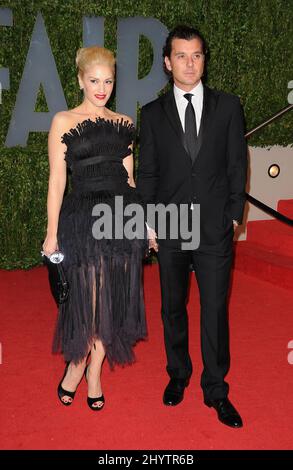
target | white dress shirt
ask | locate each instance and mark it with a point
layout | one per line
(196, 100)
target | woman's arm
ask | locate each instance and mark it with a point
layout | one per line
(128, 164)
(57, 180)
(128, 161)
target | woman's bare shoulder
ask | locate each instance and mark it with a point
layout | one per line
(62, 117)
(63, 121)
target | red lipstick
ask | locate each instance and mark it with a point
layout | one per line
(100, 97)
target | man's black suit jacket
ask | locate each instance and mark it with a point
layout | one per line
(214, 177)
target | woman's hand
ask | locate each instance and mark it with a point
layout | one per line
(50, 245)
(152, 239)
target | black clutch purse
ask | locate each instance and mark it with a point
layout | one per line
(57, 279)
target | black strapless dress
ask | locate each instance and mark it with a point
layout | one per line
(105, 275)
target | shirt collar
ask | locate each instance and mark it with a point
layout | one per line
(197, 91)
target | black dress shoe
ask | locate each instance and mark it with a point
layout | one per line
(174, 391)
(227, 414)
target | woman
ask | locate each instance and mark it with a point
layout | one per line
(104, 314)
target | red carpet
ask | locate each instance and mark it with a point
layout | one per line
(134, 417)
(268, 251)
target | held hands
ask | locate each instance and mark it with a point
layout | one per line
(152, 239)
(50, 245)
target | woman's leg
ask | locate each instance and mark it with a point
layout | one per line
(72, 378)
(94, 372)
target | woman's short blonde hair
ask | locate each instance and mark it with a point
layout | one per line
(93, 55)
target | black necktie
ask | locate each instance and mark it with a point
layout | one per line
(190, 127)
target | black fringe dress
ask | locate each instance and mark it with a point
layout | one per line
(105, 275)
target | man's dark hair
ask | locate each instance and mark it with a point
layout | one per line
(183, 32)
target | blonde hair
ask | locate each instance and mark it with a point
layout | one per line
(93, 55)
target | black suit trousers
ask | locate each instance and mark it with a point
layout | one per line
(212, 272)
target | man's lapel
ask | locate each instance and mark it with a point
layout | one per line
(170, 108)
(208, 112)
(209, 105)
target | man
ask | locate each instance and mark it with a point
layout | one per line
(193, 151)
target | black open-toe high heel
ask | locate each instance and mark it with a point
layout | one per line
(91, 401)
(62, 392)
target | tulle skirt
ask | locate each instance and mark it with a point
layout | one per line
(105, 277)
